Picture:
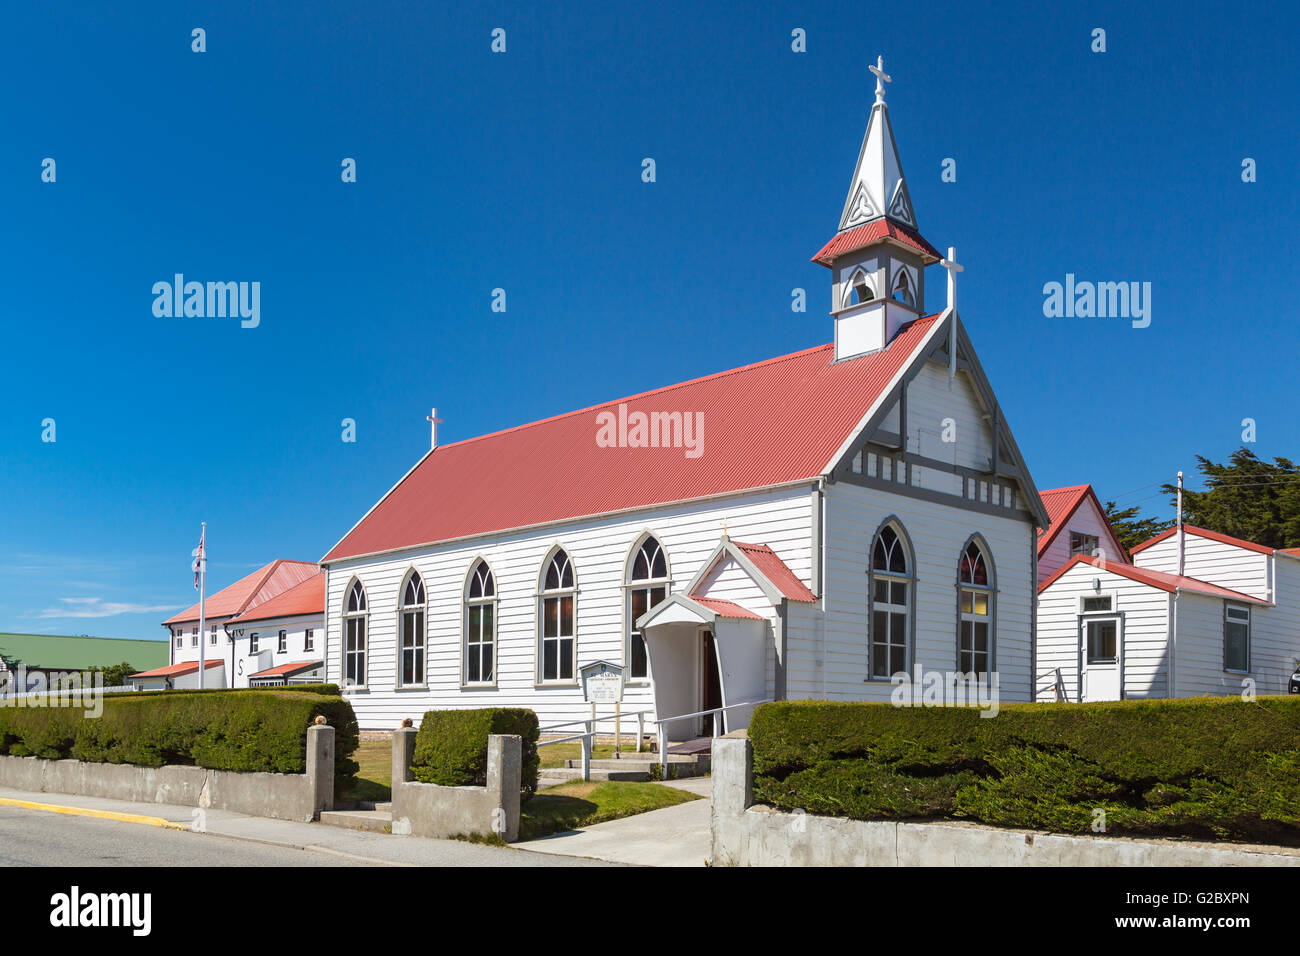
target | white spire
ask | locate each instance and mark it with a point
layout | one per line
(878, 187)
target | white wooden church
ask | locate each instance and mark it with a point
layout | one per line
(860, 509)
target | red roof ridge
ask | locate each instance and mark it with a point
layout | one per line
(1047, 535)
(1204, 533)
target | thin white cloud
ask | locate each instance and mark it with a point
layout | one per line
(98, 607)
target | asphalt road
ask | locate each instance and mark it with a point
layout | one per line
(37, 838)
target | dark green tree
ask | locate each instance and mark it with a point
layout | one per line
(1246, 497)
(115, 675)
(1131, 529)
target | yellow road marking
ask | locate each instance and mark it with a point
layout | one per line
(101, 814)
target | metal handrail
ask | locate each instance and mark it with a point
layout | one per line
(663, 722)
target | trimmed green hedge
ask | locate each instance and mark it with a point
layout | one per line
(451, 745)
(242, 730)
(1210, 767)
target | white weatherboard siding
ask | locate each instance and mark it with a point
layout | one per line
(1217, 562)
(599, 548)
(1088, 519)
(830, 659)
(1144, 632)
(930, 401)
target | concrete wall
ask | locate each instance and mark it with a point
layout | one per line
(431, 810)
(747, 835)
(281, 796)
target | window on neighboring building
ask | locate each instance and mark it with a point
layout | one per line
(1083, 543)
(212, 636)
(180, 640)
(558, 633)
(308, 640)
(411, 618)
(252, 643)
(354, 636)
(975, 630)
(194, 637)
(1094, 604)
(1236, 638)
(891, 602)
(480, 626)
(647, 585)
(282, 644)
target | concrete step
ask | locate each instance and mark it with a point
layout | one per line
(679, 765)
(377, 821)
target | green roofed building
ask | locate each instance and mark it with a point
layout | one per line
(46, 653)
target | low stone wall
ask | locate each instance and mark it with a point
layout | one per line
(430, 810)
(282, 796)
(748, 835)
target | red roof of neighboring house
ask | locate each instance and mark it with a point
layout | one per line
(285, 670)
(776, 571)
(263, 584)
(726, 608)
(1203, 533)
(854, 239)
(1061, 504)
(1156, 579)
(776, 422)
(178, 670)
(300, 600)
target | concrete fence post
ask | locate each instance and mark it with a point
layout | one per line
(403, 754)
(733, 794)
(505, 760)
(320, 767)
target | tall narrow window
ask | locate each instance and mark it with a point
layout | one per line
(309, 640)
(354, 636)
(1236, 638)
(252, 643)
(282, 642)
(411, 629)
(480, 626)
(647, 585)
(194, 637)
(891, 586)
(558, 636)
(975, 635)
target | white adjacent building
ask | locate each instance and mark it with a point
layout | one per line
(267, 627)
(805, 527)
(1078, 526)
(1196, 613)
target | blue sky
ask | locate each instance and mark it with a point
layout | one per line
(522, 170)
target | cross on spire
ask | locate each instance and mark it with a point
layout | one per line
(881, 79)
(434, 421)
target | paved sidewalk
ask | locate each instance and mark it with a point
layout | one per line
(673, 836)
(351, 845)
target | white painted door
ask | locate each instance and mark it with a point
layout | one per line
(1102, 648)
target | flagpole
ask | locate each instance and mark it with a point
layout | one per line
(203, 572)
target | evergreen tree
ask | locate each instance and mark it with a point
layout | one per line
(1130, 529)
(1247, 498)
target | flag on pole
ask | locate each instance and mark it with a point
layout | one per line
(199, 557)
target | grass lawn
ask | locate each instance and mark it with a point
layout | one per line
(375, 778)
(556, 754)
(578, 804)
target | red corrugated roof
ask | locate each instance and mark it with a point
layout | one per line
(1061, 504)
(285, 670)
(1157, 579)
(263, 584)
(726, 608)
(862, 236)
(178, 670)
(1204, 533)
(301, 599)
(777, 571)
(776, 422)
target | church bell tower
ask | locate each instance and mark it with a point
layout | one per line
(878, 257)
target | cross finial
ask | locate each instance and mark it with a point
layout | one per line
(881, 79)
(434, 421)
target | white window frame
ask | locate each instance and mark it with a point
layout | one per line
(989, 590)
(252, 643)
(356, 619)
(544, 598)
(1112, 595)
(874, 606)
(282, 642)
(632, 585)
(418, 650)
(487, 605)
(309, 639)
